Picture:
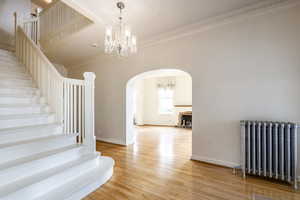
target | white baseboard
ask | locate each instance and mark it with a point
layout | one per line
(219, 162)
(111, 140)
(215, 161)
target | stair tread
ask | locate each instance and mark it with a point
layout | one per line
(62, 135)
(18, 76)
(35, 157)
(17, 95)
(9, 74)
(21, 105)
(5, 52)
(12, 69)
(24, 116)
(14, 79)
(27, 128)
(20, 87)
(11, 57)
(15, 86)
(12, 66)
(52, 176)
(13, 73)
(11, 63)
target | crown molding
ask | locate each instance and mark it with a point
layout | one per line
(258, 9)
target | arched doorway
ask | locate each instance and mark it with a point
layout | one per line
(131, 96)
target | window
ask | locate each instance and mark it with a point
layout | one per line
(165, 100)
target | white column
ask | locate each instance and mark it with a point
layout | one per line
(90, 139)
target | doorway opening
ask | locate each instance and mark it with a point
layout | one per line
(159, 103)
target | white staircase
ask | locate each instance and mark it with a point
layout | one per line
(39, 159)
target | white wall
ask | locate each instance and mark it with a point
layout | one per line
(248, 69)
(148, 104)
(7, 8)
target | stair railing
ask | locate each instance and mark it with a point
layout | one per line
(70, 100)
(31, 27)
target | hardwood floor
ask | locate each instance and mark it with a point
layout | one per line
(158, 167)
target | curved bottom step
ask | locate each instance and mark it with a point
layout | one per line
(71, 183)
(86, 184)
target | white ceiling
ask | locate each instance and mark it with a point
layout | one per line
(152, 17)
(147, 18)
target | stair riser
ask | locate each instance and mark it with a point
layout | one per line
(23, 76)
(12, 69)
(18, 91)
(18, 100)
(14, 74)
(24, 150)
(29, 134)
(11, 123)
(6, 52)
(17, 173)
(10, 63)
(16, 83)
(6, 61)
(22, 110)
(8, 58)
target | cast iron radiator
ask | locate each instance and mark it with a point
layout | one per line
(269, 149)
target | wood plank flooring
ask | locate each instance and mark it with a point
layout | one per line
(158, 167)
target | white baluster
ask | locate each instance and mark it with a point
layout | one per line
(79, 113)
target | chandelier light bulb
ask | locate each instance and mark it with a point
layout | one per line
(134, 44)
(133, 40)
(127, 32)
(109, 31)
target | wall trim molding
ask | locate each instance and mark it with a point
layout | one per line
(110, 140)
(257, 9)
(214, 161)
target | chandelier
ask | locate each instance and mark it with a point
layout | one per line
(118, 38)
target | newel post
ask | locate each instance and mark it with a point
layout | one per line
(90, 139)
